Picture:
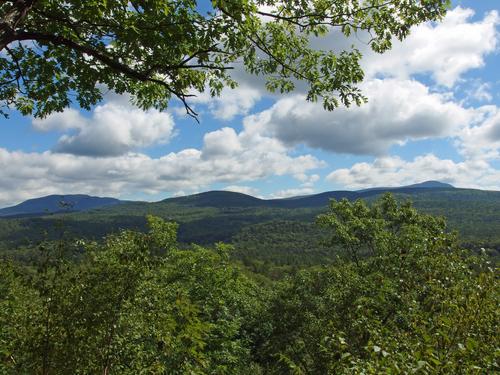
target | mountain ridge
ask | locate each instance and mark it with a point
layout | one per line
(215, 198)
(57, 203)
(215, 216)
(222, 198)
(430, 184)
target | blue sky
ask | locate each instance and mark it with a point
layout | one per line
(433, 113)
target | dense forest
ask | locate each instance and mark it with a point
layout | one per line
(342, 282)
(387, 289)
(272, 237)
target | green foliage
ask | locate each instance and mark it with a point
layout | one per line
(416, 304)
(383, 229)
(401, 297)
(270, 240)
(54, 53)
(279, 247)
(127, 308)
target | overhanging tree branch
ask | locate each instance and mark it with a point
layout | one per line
(108, 61)
(12, 19)
(160, 49)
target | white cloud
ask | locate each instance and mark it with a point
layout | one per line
(446, 50)
(397, 112)
(114, 129)
(231, 102)
(481, 140)
(480, 91)
(394, 171)
(27, 175)
(294, 192)
(61, 121)
(221, 142)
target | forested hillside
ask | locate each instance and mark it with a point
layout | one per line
(400, 297)
(265, 233)
(104, 97)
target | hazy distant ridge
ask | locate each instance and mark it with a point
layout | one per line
(80, 202)
(58, 203)
(232, 199)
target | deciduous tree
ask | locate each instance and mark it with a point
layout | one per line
(55, 53)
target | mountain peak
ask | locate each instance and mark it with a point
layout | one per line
(217, 198)
(431, 184)
(57, 203)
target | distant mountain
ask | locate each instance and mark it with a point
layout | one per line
(57, 203)
(431, 184)
(421, 185)
(232, 217)
(220, 199)
(216, 199)
(227, 199)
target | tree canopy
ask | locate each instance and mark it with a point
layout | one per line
(54, 54)
(402, 298)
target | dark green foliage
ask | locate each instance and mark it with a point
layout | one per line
(399, 297)
(54, 54)
(277, 248)
(417, 304)
(132, 304)
(275, 236)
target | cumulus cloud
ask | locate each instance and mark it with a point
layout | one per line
(241, 157)
(114, 129)
(231, 102)
(481, 140)
(394, 171)
(61, 121)
(397, 112)
(446, 50)
(479, 91)
(294, 192)
(224, 141)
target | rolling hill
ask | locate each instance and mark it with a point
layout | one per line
(281, 231)
(221, 199)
